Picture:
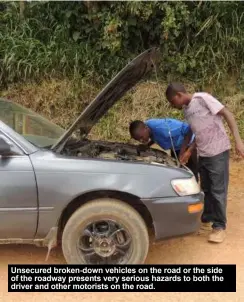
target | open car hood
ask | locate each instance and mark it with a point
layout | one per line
(128, 77)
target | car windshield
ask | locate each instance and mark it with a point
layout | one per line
(33, 127)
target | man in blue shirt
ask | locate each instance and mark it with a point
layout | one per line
(165, 132)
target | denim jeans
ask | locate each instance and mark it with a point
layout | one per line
(214, 176)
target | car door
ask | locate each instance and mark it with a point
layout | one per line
(18, 194)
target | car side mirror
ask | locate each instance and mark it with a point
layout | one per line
(5, 147)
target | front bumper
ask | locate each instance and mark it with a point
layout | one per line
(171, 217)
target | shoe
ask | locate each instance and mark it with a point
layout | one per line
(217, 236)
(205, 227)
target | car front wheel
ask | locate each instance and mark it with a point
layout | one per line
(105, 231)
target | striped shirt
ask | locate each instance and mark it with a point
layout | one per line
(206, 124)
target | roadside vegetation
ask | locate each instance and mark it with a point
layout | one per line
(55, 56)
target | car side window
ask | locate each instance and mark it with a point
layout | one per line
(8, 148)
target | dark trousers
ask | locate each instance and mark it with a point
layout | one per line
(192, 163)
(214, 176)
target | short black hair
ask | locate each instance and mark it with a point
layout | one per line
(134, 126)
(173, 89)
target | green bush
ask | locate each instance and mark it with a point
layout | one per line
(199, 41)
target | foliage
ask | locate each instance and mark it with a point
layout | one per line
(63, 100)
(200, 41)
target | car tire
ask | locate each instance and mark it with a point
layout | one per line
(106, 210)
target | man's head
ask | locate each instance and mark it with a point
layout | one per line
(140, 131)
(177, 96)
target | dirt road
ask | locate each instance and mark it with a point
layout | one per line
(190, 250)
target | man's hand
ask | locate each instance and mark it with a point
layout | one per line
(142, 148)
(145, 146)
(240, 148)
(184, 158)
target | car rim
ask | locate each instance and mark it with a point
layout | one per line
(104, 242)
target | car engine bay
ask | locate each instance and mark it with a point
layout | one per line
(118, 151)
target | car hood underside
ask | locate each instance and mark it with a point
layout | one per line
(128, 77)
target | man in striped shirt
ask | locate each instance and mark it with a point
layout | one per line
(204, 113)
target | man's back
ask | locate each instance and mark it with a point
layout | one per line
(207, 125)
(162, 129)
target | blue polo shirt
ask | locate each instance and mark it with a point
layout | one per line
(160, 132)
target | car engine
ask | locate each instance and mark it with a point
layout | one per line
(118, 151)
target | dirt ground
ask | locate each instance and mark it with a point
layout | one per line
(189, 250)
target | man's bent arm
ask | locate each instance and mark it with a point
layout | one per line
(229, 117)
(186, 142)
(192, 146)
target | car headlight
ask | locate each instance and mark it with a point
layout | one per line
(186, 186)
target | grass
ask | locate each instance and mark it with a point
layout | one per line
(63, 100)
